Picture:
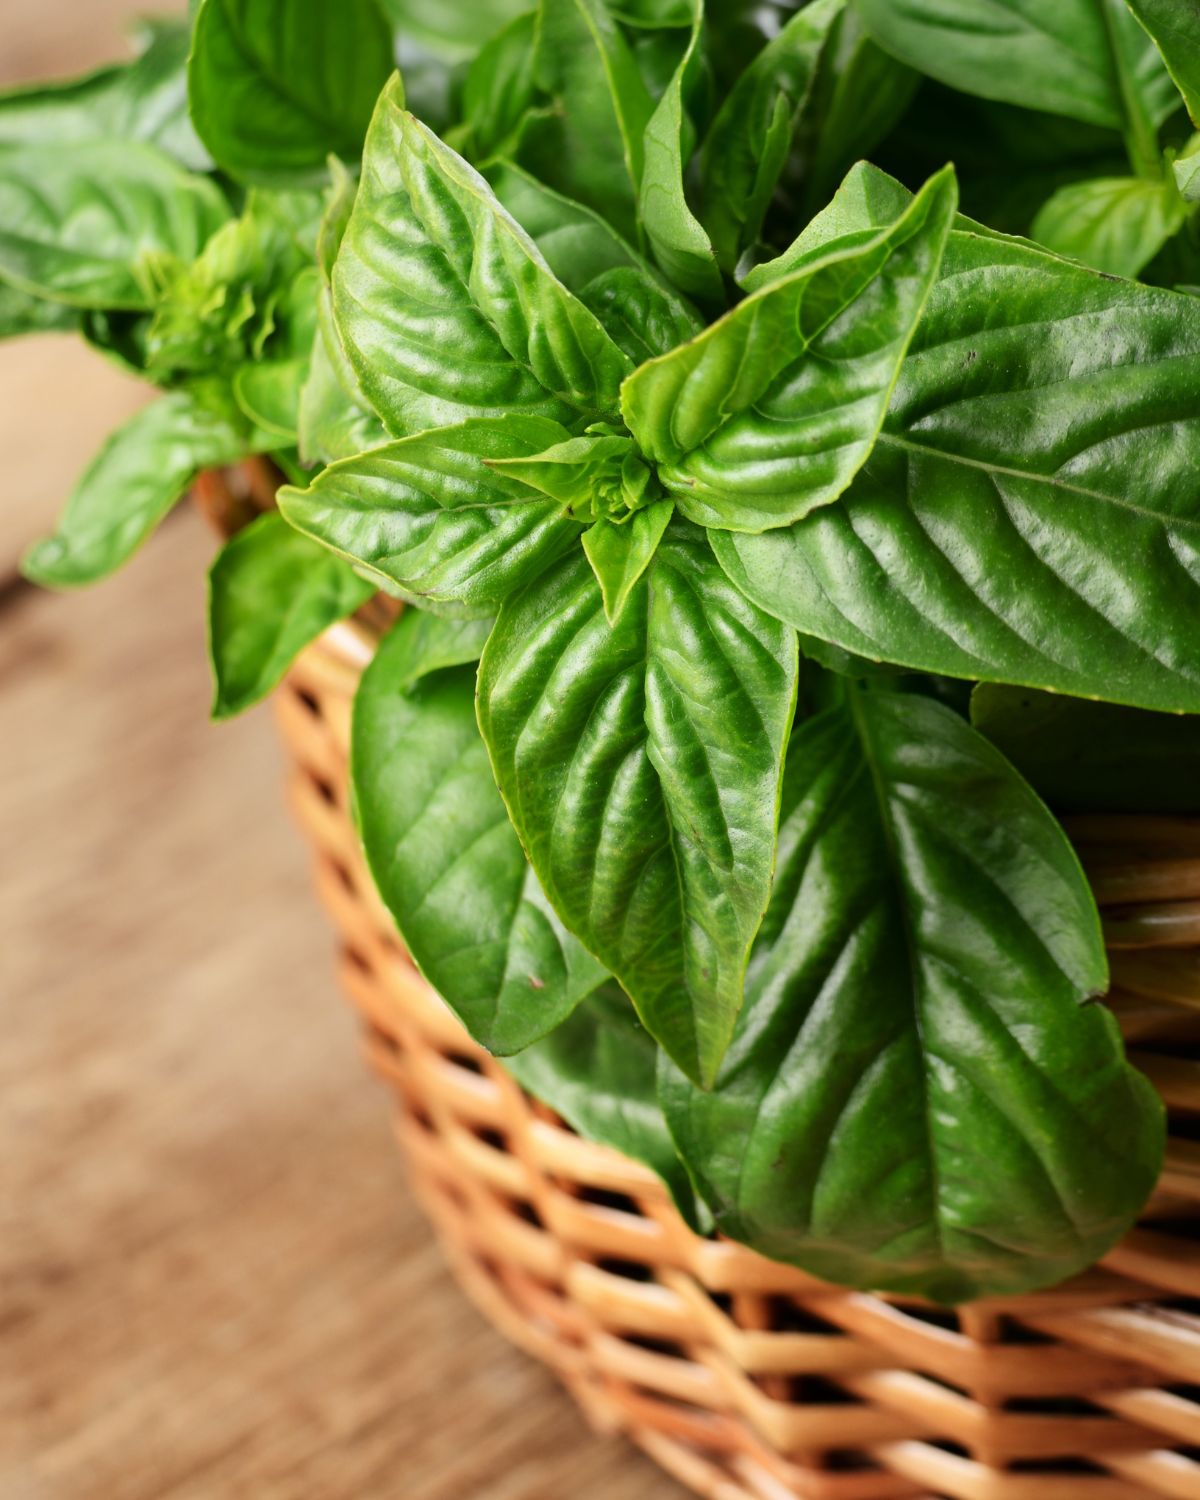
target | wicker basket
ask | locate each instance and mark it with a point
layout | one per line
(746, 1379)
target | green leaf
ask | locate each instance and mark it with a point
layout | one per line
(620, 554)
(135, 479)
(334, 421)
(641, 765)
(430, 522)
(1087, 59)
(594, 476)
(499, 89)
(681, 246)
(597, 1070)
(445, 858)
(751, 136)
(1093, 757)
(1186, 170)
(277, 85)
(430, 643)
(640, 317)
(77, 225)
(1174, 26)
(771, 411)
(271, 592)
(1028, 514)
(1114, 224)
(20, 312)
(445, 306)
(916, 1100)
(589, 144)
(452, 30)
(269, 394)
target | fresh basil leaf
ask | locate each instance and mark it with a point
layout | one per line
(641, 318)
(20, 312)
(1087, 59)
(597, 475)
(1028, 513)
(77, 225)
(269, 394)
(445, 306)
(916, 1100)
(135, 479)
(1186, 170)
(1174, 26)
(446, 859)
(680, 245)
(621, 553)
(500, 88)
(271, 592)
(589, 144)
(640, 763)
(653, 15)
(430, 643)
(277, 85)
(1114, 224)
(771, 411)
(333, 419)
(431, 523)
(597, 1070)
(1093, 757)
(452, 31)
(751, 136)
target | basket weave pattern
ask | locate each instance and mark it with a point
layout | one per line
(746, 1379)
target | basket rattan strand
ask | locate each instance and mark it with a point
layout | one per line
(746, 1379)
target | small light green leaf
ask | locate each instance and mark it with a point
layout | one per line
(681, 246)
(620, 554)
(271, 592)
(1174, 26)
(1114, 224)
(445, 858)
(1186, 169)
(597, 1070)
(445, 306)
(426, 518)
(916, 1100)
(751, 137)
(135, 479)
(453, 31)
(277, 85)
(769, 413)
(76, 225)
(269, 394)
(640, 763)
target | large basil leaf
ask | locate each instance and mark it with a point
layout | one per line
(1115, 224)
(79, 224)
(589, 143)
(1030, 512)
(1175, 28)
(752, 134)
(771, 411)
(271, 592)
(135, 479)
(1093, 757)
(640, 764)
(445, 306)
(445, 857)
(427, 519)
(678, 240)
(277, 85)
(916, 1099)
(1087, 59)
(597, 1070)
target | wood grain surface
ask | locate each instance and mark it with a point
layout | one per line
(213, 1283)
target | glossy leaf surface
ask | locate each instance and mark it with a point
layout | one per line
(271, 592)
(1114, 224)
(771, 411)
(917, 1100)
(640, 763)
(1175, 27)
(446, 859)
(620, 554)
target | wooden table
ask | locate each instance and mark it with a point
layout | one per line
(213, 1283)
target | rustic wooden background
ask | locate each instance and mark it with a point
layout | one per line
(213, 1283)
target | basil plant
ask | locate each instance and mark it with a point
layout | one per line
(780, 513)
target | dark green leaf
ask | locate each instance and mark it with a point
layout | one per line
(641, 764)
(597, 1070)
(1093, 757)
(1114, 224)
(771, 411)
(444, 855)
(80, 225)
(751, 136)
(1030, 511)
(277, 85)
(499, 89)
(427, 519)
(620, 554)
(1175, 27)
(135, 479)
(916, 1100)
(271, 592)
(640, 317)
(445, 306)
